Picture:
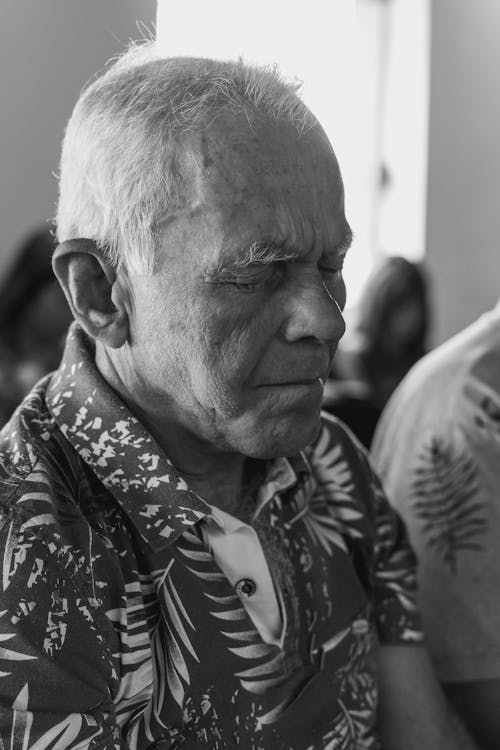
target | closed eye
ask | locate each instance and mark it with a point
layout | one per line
(255, 278)
(332, 267)
(329, 269)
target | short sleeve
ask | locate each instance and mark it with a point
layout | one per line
(376, 538)
(55, 672)
(394, 574)
(441, 470)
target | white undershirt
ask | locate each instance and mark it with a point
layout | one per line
(236, 549)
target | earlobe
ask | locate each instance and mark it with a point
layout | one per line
(89, 283)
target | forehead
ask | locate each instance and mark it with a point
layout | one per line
(265, 180)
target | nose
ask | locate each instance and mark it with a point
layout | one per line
(314, 309)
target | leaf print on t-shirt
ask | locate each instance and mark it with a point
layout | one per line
(445, 499)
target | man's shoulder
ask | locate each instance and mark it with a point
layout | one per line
(440, 405)
(37, 465)
(437, 385)
(478, 345)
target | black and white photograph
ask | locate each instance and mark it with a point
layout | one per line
(250, 375)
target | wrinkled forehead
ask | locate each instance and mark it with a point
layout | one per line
(238, 155)
(267, 170)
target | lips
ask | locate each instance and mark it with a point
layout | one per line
(296, 380)
(304, 369)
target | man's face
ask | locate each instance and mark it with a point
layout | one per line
(233, 332)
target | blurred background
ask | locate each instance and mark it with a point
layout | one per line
(407, 90)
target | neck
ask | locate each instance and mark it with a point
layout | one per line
(221, 478)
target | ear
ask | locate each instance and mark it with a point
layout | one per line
(93, 291)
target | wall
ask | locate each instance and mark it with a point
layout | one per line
(402, 199)
(463, 212)
(48, 50)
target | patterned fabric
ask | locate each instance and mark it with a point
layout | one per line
(236, 548)
(437, 449)
(117, 628)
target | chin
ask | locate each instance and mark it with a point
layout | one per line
(278, 436)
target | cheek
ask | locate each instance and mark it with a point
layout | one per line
(163, 336)
(233, 346)
(241, 337)
(228, 351)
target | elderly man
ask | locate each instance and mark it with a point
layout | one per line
(191, 557)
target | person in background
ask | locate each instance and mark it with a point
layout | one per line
(437, 448)
(390, 334)
(34, 318)
(192, 555)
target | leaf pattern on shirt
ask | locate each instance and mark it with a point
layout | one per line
(7, 654)
(136, 683)
(332, 512)
(445, 499)
(242, 638)
(108, 591)
(171, 648)
(64, 734)
(394, 571)
(483, 401)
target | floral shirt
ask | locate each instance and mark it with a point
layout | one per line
(117, 627)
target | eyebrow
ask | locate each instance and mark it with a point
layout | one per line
(264, 252)
(346, 241)
(267, 251)
(261, 252)
(270, 251)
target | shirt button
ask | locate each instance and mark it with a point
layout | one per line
(245, 588)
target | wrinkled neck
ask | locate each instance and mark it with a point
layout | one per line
(219, 476)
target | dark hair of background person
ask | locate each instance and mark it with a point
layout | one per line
(394, 314)
(390, 335)
(34, 318)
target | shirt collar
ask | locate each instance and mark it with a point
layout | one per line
(125, 457)
(119, 450)
(282, 475)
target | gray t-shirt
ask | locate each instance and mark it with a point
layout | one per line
(437, 450)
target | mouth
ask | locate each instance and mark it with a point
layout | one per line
(310, 371)
(298, 383)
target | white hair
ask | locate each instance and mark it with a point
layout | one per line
(119, 172)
